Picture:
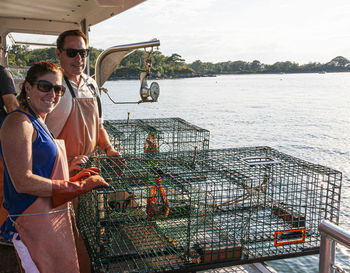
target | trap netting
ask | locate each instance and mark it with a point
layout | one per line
(156, 135)
(231, 206)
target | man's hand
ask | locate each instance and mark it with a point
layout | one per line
(112, 152)
(75, 164)
(117, 160)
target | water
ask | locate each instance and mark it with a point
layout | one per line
(304, 115)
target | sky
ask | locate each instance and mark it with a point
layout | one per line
(269, 31)
(300, 31)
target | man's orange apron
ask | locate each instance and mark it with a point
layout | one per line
(47, 232)
(80, 134)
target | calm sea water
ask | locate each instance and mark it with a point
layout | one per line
(304, 115)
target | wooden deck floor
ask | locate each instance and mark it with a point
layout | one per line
(8, 261)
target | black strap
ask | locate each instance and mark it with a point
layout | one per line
(41, 124)
(90, 86)
(69, 87)
(99, 106)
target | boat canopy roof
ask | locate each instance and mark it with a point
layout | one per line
(52, 17)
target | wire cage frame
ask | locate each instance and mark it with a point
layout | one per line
(227, 206)
(164, 134)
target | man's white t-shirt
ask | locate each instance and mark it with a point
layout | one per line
(58, 117)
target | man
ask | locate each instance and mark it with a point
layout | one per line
(77, 118)
(8, 103)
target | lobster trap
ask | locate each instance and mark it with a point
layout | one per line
(221, 207)
(156, 135)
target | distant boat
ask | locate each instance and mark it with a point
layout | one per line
(322, 72)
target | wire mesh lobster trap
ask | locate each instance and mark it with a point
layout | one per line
(229, 206)
(163, 134)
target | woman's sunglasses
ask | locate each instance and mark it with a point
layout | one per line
(71, 52)
(45, 86)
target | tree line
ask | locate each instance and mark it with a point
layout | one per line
(175, 66)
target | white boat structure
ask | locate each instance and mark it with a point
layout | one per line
(230, 210)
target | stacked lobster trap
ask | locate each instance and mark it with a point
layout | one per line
(198, 209)
(171, 134)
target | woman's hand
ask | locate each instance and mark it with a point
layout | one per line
(84, 174)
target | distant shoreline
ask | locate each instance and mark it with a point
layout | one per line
(166, 77)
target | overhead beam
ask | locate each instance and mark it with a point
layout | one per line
(34, 26)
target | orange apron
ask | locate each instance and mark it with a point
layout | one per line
(48, 232)
(80, 134)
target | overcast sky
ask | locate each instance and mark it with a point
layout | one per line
(220, 30)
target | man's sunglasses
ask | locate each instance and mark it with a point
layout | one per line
(45, 86)
(72, 52)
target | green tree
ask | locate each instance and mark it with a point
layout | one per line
(18, 55)
(175, 65)
(255, 66)
(42, 54)
(93, 54)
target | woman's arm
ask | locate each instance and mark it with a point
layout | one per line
(17, 135)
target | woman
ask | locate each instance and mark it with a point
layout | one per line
(37, 187)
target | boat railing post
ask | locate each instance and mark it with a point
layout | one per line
(325, 254)
(330, 235)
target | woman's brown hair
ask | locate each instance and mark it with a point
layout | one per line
(35, 71)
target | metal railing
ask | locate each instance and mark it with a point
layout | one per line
(330, 235)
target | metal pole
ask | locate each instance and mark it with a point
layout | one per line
(332, 258)
(3, 58)
(85, 29)
(325, 253)
(330, 234)
(2, 51)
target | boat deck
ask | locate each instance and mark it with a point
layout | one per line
(249, 268)
(8, 264)
(8, 260)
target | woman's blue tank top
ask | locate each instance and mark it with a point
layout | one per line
(44, 153)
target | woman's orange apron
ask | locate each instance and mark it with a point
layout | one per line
(47, 232)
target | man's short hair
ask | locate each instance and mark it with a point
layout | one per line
(73, 32)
